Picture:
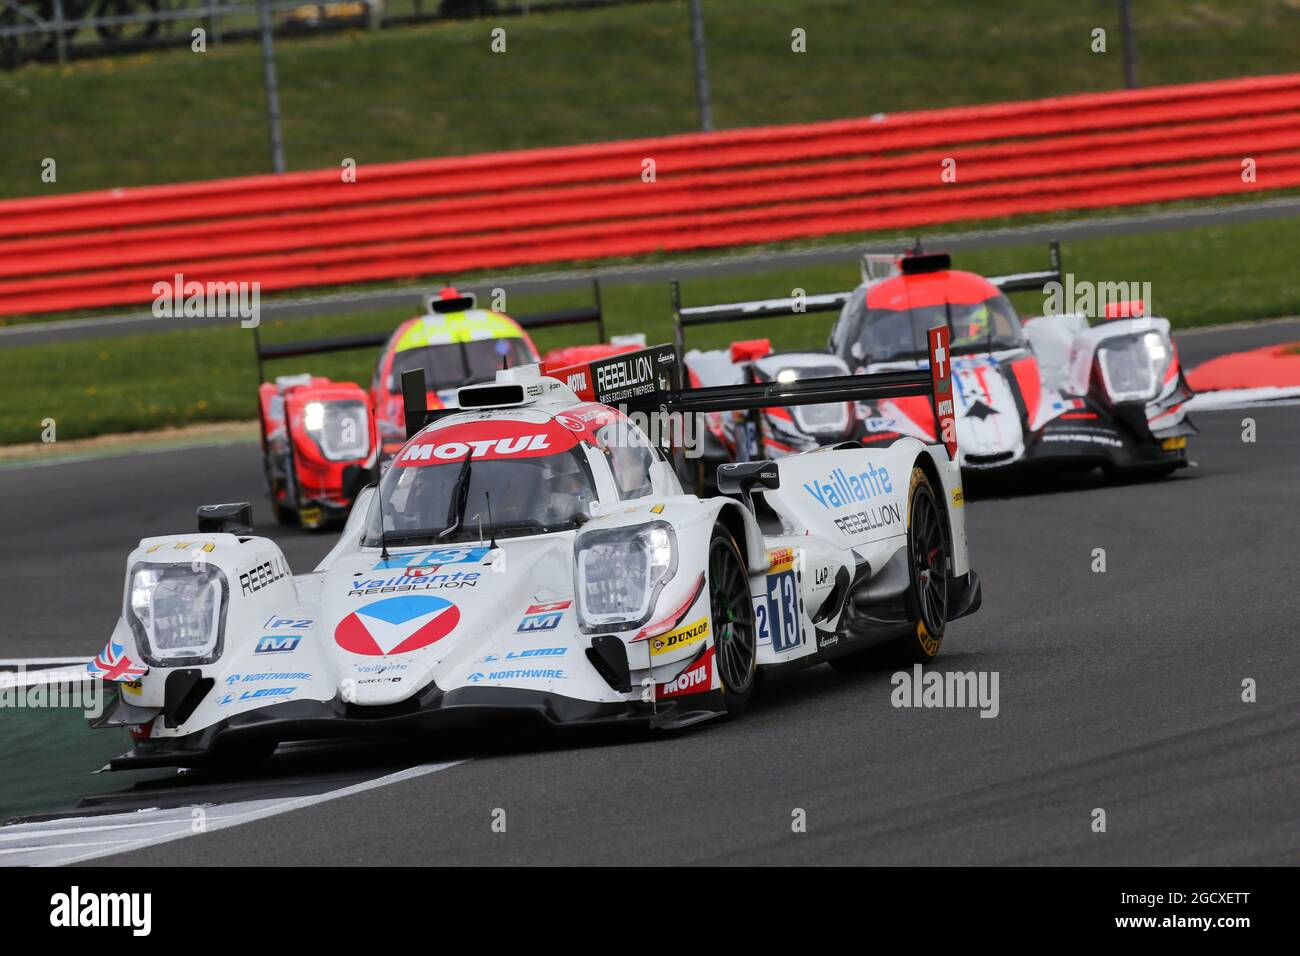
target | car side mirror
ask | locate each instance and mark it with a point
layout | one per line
(355, 478)
(743, 476)
(233, 518)
(415, 406)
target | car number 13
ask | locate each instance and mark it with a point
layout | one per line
(778, 616)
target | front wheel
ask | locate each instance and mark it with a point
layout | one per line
(735, 639)
(1136, 474)
(284, 514)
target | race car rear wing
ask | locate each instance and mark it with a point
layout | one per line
(1032, 281)
(440, 303)
(684, 317)
(875, 266)
(647, 381)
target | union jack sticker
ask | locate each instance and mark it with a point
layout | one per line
(113, 664)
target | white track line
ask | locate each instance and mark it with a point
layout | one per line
(40, 661)
(177, 822)
(60, 675)
(1229, 398)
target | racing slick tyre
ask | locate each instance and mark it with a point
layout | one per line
(308, 517)
(928, 554)
(735, 638)
(1136, 474)
(284, 515)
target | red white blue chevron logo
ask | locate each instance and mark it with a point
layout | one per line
(397, 625)
(113, 664)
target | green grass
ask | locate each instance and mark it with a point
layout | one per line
(52, 755)
(1199, 276)
(584, 76)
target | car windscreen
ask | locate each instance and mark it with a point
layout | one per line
(453, 364)
(893, 335)
(504, 497)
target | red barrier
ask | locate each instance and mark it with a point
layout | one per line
(442, 216)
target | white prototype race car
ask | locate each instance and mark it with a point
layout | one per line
(1049, 392)
(532, 554)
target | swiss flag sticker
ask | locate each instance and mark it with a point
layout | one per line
(941, 383)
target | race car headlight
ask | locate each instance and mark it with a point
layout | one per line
(620, 573)
(340, 428)
(1133, 367)
(177, 613)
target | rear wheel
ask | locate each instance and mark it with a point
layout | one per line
(735, 639)
(929, 552)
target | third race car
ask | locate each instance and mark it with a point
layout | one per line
(323, 440)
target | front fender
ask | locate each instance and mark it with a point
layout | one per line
(258, 589)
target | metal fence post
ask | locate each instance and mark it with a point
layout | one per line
(1130, 43)
(272, 86)
(214, 22)
(701, 66)
(60, 41)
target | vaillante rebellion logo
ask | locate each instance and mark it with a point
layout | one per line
(840, 488)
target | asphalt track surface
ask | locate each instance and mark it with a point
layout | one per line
(1119, 690)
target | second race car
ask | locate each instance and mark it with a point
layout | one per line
(1053, 390)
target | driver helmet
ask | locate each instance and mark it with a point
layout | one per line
(974, 325)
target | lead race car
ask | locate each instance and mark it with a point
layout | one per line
(1052, 390)
(531, 553)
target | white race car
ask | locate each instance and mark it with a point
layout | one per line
(1051, 392)
(531, 553)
